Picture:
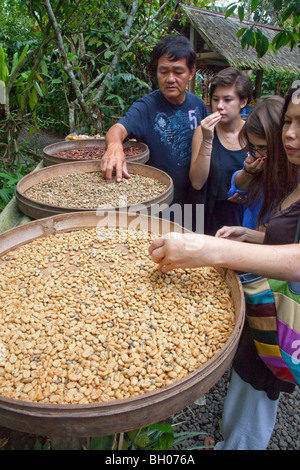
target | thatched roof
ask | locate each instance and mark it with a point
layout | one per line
(220, 35)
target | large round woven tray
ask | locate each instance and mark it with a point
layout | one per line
(50, 152)
(119, 415)
(37, 210)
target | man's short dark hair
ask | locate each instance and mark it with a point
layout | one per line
(176, 47)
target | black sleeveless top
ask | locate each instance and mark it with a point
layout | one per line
(218, 211)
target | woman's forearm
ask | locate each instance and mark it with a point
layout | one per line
(243, 180)
(174, 251)
(252, 168)
(200, 161)
(202, 149)
(254, 236)
(241, 234)
(278, 262)
(199, 169)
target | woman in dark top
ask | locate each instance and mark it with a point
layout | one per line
(280, 231)
(276, 172)
(251, 404)
(216, 149)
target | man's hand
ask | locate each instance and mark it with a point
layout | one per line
(114, 157)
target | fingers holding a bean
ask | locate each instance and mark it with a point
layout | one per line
(208, 125)
(254, 165)
(176, 250)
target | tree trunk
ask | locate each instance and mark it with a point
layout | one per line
(72, 116)
(66, 63)
(6, 104)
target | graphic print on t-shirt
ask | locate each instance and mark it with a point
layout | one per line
(174, 131)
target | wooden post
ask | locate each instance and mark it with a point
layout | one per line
(192, 83)
(258, 83)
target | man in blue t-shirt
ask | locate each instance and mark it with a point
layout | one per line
(164, 120)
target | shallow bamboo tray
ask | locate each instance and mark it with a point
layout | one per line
(120, 415)
(50, 157)
(37, 210)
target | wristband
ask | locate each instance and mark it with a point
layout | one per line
(248, 172)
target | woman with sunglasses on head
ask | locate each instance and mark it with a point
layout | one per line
(216, 149)
(250, 406)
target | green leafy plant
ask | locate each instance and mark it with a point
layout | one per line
(283, 13)
(9, 181)
(160, 436)
(9, 178)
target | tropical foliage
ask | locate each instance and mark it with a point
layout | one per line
(78, 65)
(282, 13)
(71, 61)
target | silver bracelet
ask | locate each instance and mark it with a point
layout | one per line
(207, 141)
(201, 155)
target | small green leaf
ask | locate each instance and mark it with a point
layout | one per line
(23, 53)
(241, 13)
(3, 66)
(230, 11)
(108, 54)
(282, 39)
(14, 62)
(254, 5)
(249, 39)
(262, 46)
(32, 98)
(72, 56)
(240, 32)
(293, 40)
(162, 427)
(44, 67)
(38, 89)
